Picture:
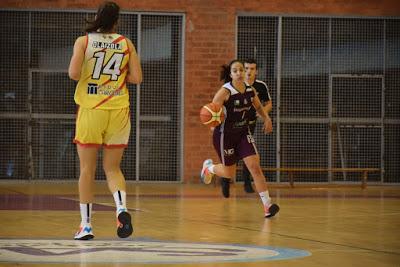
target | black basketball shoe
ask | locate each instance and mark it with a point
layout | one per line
(124, 225)
(225, 184)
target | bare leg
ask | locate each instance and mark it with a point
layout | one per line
(253, 164)
(116, 183)
(225, 171)
(87, 159)
(111, 164)
(247, 180)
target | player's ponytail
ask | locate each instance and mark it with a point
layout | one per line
(226, 71)
(106, 17)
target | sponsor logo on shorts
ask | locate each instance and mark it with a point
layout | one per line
(250, 138)
(229, 152)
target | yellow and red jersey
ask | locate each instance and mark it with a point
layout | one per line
(102, 84)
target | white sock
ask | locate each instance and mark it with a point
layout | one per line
(120, 201)
(211, 169)
(266, 200)
(86, 212)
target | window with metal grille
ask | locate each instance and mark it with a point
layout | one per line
(37, 110)
(334, 84)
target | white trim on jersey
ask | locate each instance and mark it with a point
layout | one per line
(233, 90)
(230, 88)
(266, 86)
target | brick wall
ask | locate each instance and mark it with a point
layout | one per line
(210, 42)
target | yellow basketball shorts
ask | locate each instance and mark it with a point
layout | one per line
(108, 127)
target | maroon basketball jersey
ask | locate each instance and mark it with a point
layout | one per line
(237, 109)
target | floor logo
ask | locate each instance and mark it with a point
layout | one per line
(136, 251)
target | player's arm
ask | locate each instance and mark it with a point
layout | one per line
(221, 96)
(78, 55)
(261, 111)
(268, 106)
(135, 70)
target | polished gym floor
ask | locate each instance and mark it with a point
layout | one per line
(193, 225)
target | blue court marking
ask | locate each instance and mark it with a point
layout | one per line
(138, 250)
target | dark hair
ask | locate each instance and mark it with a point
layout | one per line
(226, 71)
(106, 17)
(250, 61)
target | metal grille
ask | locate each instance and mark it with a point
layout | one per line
(14, 54)
(52, 38)
(262, 32)
(40, 95)
(304, 146)
(392, 70)
(358, 46)
(335, 92)
(257, 39)
(14, 150)
(54, 154)
(356, 146)
(357, 96)
(160, 98)
(52, 93)
(392, 153)
(305, 67)
(392, 102)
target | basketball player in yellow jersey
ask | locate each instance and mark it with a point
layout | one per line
(102, 62)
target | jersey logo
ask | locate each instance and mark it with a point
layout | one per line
(92, 89)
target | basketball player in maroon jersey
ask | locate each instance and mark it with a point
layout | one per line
(232, 139)
(250, 66)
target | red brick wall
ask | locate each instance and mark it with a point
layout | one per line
(210, 42)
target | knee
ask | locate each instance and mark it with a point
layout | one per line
(87, 170)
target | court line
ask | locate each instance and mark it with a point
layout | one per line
(299, 238)
(249, 196)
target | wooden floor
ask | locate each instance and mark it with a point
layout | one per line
(192, 225)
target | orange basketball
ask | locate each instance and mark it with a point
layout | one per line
(212, 114)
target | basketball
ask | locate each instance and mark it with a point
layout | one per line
(212, 114)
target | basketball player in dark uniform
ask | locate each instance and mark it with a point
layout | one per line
(250, 66)
(232, 139)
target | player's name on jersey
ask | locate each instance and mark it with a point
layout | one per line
(97, 44)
